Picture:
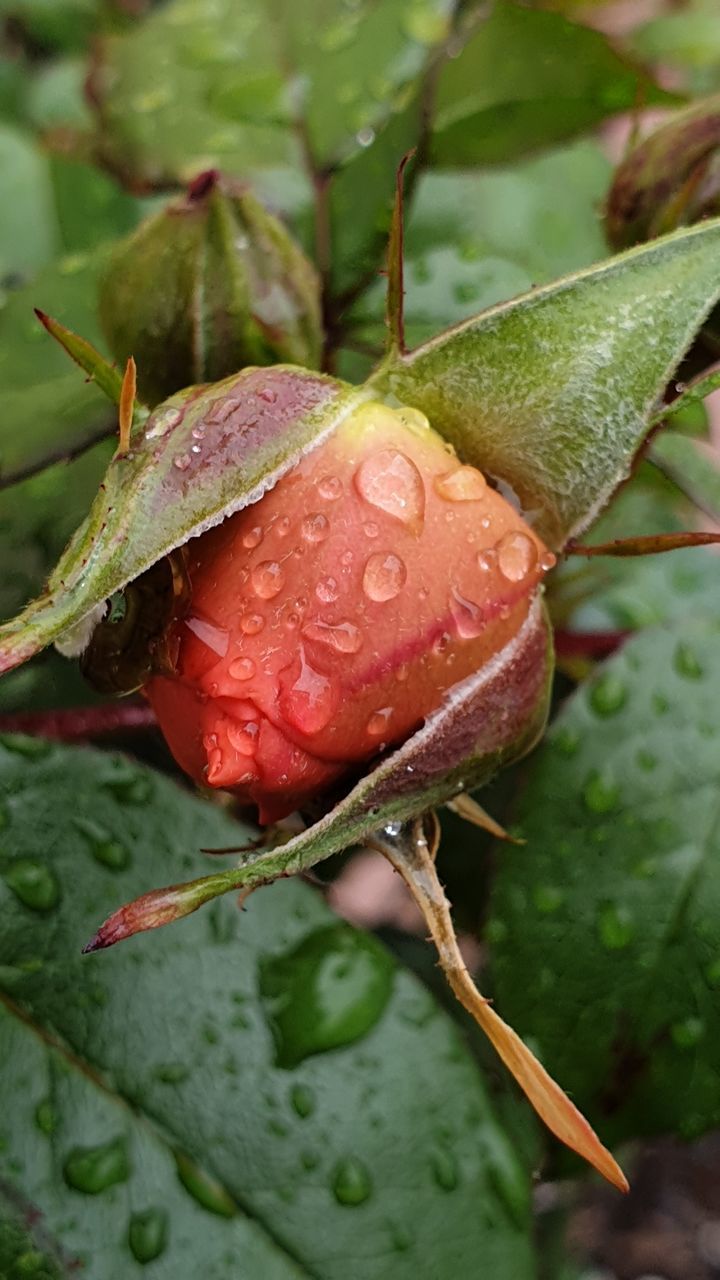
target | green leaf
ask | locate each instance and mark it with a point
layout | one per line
(526, 79)
(604, 926)
(168, 487)
(28, 227)
(688, 42)
(693, 466)
(553, 391)
(383, 1131)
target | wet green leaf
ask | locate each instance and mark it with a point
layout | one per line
(688, 41)
(553, 391)
(28, 227)
(389, 1109)
(604, 925)
(526, 79)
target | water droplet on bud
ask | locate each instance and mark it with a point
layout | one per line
(282, 526)
(467, 616)
(548, 561)
(467, 484)
(162, 422)
(391, 481)
(344, 637)
(327, 590)
(242, 668)
(487, 560)
(267, 579)
(385, 574)
(371, 529)
(330, 488)
(315, 528)
(516, 555)
(307, 698)
(253, 538)
(379, 721)
(182, 462)
(216, 638)
(251, 624)
(244, 737)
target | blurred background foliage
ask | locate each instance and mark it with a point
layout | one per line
(601, 935)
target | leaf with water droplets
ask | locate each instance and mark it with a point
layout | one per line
(167, 488)
(554, 391)
(623, 1005)
(268, 1054)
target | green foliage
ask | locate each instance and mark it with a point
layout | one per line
(284, 1170)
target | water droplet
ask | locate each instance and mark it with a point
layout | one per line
(600, 793)
(379, 721)
(391, 482)
(33, 883)
(307, 698)
(371, 529)
(351, 1182)
(162, 421)
(251, 624)
(440, 644)
(242, 668)
(327, 991)
(487, 560)
(548, 898)
(282, 526)
(517, 556)
(400, 1237)
(344, 637)
(46, 1117)
(315, 527)
(202, 1187)
(646, 760)
(444, 1169)
(253, 538)
(608, 694)
(303, 1100)
(172, 1072)
(94, 1169)
(467, 616)
(182, 462)
(712, 974)
(267, 579)
(384, 576)
(22, 744)
(466, 484)
(688, 1033)
(147, 1235)
(427, 25)
(686, 663)
(216, 638)
(105, 849)
(365, 137)
(616, 928)
(243, 737)
(566, 740)
(129, 785)
(548, 561)
(330, 488)
(327, 590)
(309, 1160)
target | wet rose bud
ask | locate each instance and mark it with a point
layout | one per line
(669, 180)
(207, 286)
(327, 620)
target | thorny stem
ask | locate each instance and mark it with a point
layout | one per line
(409, 853)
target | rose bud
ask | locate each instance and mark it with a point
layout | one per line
(669, 180)
(210, 284)
(331, 617)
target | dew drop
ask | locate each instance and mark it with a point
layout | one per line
(267, 579)
(467, 616)
(351, 1182)
(371, 529)
(439, 645)
(253, 538)
(391, 482)
(216, 638)
(302, 1099)
(315, 527)
(548, 898)
(251, 624)
(547, 561)
(608, 695)
(33, 883)
(466, 484)
(202, 1187)
(444, 1169)
(242, 668)
(378, 722)
(162, 421)
(22, 744)
(712, 974)
(600, 793)
(46, 1117)
(94, 1169)
(103, 845)
(182, 462)
(282, 526)
(244, 737)
(567, 741)
(516, 556)
(310, 700)
(324, 992)
(128, 785)
(686, 663)
(147, 1235)
(344, 637)
(615, 926)
(384, 576)
(330, 488)
(487, 560)
(688, 1033)
(327, 590)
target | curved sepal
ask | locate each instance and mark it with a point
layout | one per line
(553, 392)
(202, 455)
(487, 721)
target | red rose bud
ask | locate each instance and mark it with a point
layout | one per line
(210, 284)
(330, 618)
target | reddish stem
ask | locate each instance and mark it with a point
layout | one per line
(588, 644)
(71, 724)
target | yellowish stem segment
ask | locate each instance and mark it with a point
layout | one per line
(410, 855)
(127, 405)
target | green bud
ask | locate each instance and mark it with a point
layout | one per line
(212, 283)
(669, 180)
